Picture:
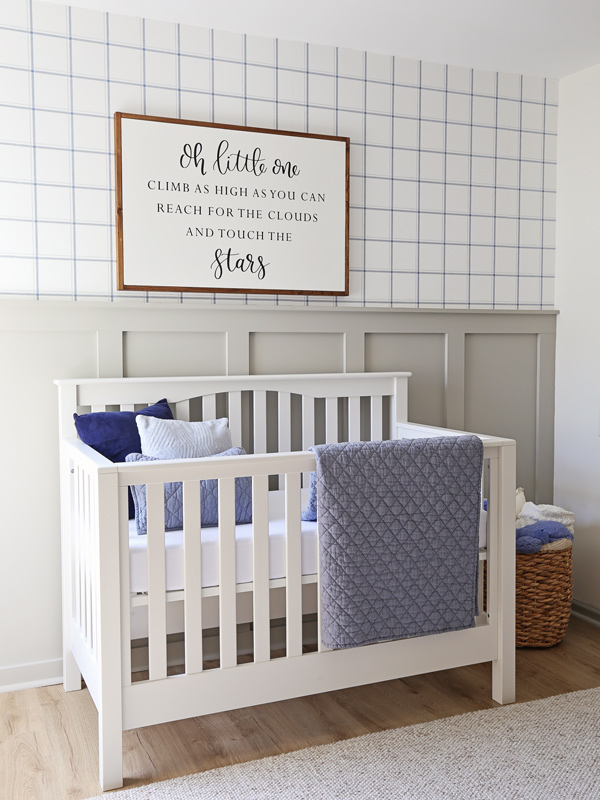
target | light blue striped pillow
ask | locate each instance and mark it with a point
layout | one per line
(180, 439)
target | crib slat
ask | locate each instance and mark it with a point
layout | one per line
(308, 429)
(96, 408)
(235, 417)
(127, 407)
(209, 406)
(182, 410)
(285, 422)
(227, 595)
(125, 587)
(88, 560)
(157, 606)
(293, 566)
(331, 420)
(260, 552)
(284, 436)
(93, 523)
(76, 544)
(376, 418)
(192, 577)
(308, 422)
(260, 421)
(81, 561)
(354, 419)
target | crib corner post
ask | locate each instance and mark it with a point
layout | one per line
(110, 744)
(503, 668)
(110, 707)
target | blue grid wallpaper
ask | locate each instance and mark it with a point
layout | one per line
(452, 170)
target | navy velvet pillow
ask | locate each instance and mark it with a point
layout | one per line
(114, 434)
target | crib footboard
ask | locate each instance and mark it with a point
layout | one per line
(91, 599)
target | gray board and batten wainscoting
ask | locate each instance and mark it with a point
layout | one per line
(490, 371)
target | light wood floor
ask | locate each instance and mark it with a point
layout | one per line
(48, 739)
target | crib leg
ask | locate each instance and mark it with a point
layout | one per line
(110, 740)
(503, 680)
(71, 673)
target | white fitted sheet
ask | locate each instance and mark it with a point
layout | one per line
(138, 573)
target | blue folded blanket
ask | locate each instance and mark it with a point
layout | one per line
(531, 538)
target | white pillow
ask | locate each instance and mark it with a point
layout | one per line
(180, 439)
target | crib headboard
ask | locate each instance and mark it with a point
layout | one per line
(266, 412)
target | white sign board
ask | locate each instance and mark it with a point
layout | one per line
(217, 208)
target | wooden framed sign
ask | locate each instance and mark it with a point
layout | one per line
(203, 207)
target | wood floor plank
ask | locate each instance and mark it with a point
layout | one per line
(49, 741)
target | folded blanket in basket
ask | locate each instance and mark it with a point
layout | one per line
(531, 538)
(531, 513)
(398, 537)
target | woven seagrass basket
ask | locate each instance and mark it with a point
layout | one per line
(544, 593)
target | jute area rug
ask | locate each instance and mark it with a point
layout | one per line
(544, 750)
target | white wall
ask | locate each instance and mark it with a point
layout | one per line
(577, 431)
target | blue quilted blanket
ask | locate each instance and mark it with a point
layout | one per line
(398, 537)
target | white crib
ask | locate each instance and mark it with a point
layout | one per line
(102, 616)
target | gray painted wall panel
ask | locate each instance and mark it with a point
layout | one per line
(301, 352)
(419, 353)
(501, 395)
(148, 354)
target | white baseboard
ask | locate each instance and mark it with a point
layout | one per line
(31, 676)
(586, 612)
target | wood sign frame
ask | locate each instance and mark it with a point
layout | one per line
(203, 207)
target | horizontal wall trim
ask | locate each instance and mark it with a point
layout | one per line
(36, 315)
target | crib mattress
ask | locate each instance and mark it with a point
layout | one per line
(138, 573)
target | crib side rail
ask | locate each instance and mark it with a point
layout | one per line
(408, 430)
(190, 473)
